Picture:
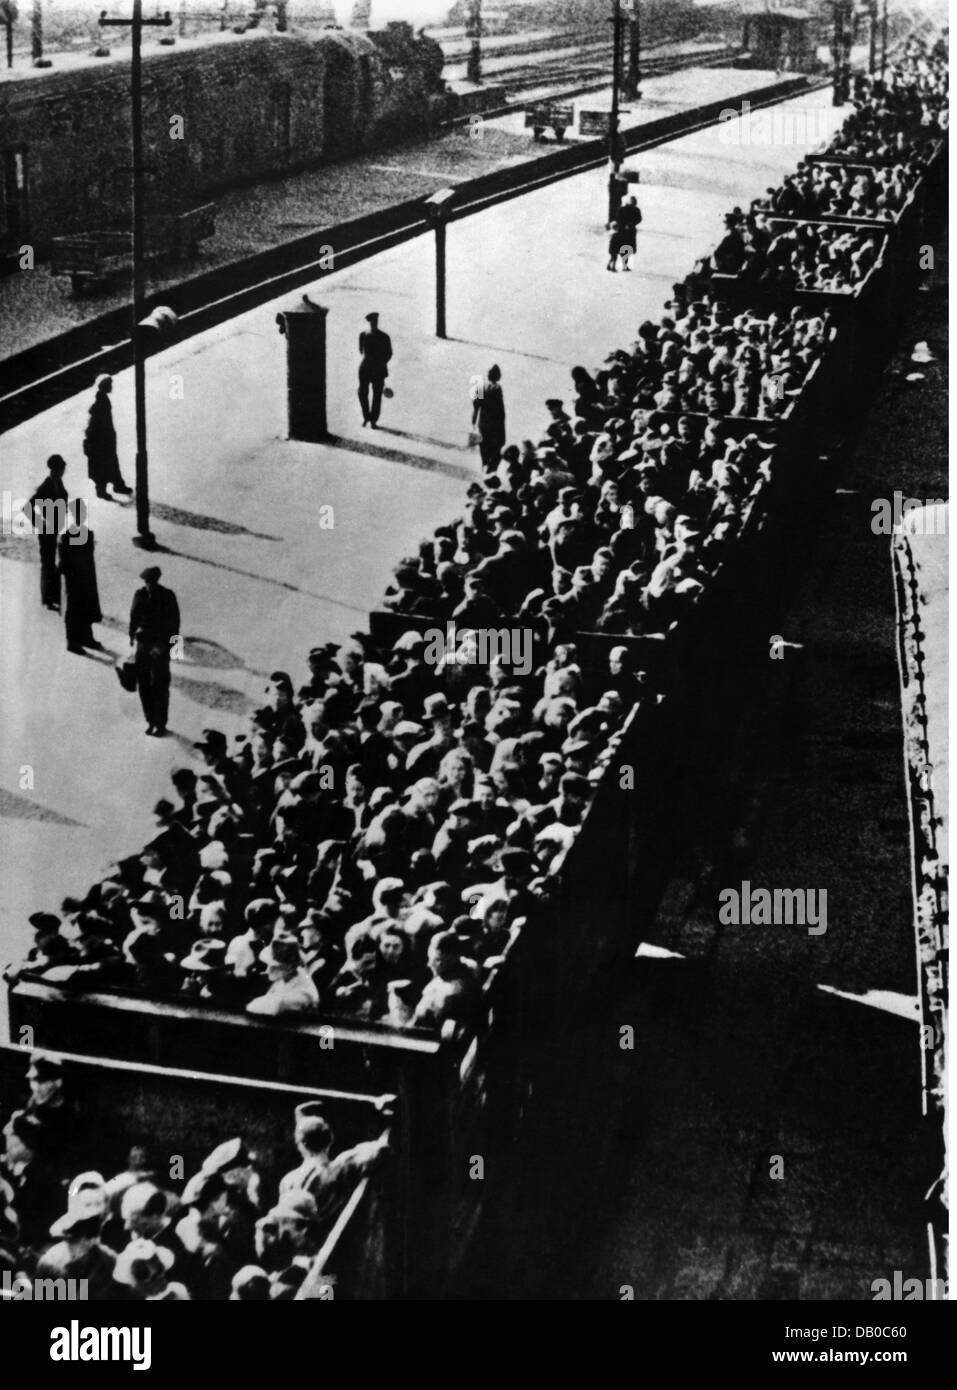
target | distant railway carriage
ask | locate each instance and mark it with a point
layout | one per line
(253, 106)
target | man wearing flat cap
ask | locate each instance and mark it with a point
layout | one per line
(154, 622)
(49, 1105)
(375, 354)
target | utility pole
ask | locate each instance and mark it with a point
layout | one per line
(633, 69)
(8, 15)
(614, 142)
(473, 31)
(884, 41)
(841, 49)
(144, 537)
(872, 37)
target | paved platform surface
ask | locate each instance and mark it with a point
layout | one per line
(34, 304)
(766, 1043)
(236, 506)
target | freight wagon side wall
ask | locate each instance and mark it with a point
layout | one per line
(253, 108)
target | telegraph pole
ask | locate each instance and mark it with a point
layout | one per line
(614, 143)
(633, 70)
(884, 41)
(144, 537)
(473, 31)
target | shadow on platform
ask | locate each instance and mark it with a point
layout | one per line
(381, 451)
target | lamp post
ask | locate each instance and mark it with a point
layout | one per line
(144, 537)
(614, 141)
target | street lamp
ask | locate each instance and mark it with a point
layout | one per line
(144, 537)
(437, 209)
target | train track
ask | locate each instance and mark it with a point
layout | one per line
(583, 68)
(562, 82)
(44, 375)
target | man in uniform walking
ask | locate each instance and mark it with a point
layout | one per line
(375, 349)
(154, 622)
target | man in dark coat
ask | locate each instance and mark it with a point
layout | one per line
(154, 622)
(629, 216)
(488, 417)
(48, 514)
(375, 348)
(99, 442)
(78, 568)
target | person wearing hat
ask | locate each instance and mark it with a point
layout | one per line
(77, 567)
(375, 354)
(94, 956)
(250, 1285)
(488, 416)
(205, 1265)
(291, 990)
(143, 1267)
(48, 948)
(154, 623)
(27, 1165)
(47, 512)
(322, 663)
(48, 1103)
(208, 976)
(288, 1238)
(79, 1252)
(99, 442)
(149, 1211)
(328, 1182)
(233, 1162)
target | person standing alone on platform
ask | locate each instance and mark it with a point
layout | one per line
(78, 568)
(154, 623)
(48, 513)
(488, 417)
(375, 349)
(99, 442)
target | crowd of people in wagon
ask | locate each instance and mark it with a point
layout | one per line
(230, 1230)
